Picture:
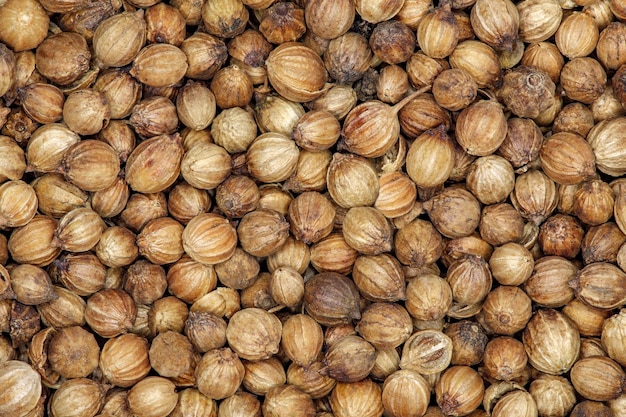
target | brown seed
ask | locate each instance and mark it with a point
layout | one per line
(468, 342)
(548, 283)
(546, 330)
(331, 299)
(600, 285)
(500, 224)
(350, 359)
(86, 111)
(149, 65)
(240, 271)
(385, 325)
(454, 89)
(302, 339)
(392, 41)
(561, 235)
(254, 324)
(63, 58)
(527, 91)
(366, 230)
(504, 358)
(506, 310)
(379, 278)
(427, 352)
(262, 232)
(598, 378)
(110, 312)
(583, 79)
(73, 352)
(481, 128)
(459, 391)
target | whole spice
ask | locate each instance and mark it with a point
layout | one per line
(331, 298)
(546, 330)
(246, 207)
(598, 378)
(459, 391)
(405, 392)
(26, 24)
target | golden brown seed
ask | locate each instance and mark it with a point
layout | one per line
(329, 19)
(481, 128)
(427, 352)
(605, 142)
(63, 58)
(500, 224)
(205, 55)
(42, 102)
(379, 278)
(302, 339)
(155, 158)
(583, 79)
(91, 165)
(545, 56)
(18, 202)
(418, 244)
(119, 38)
(287, 397)
(535, 196)
(598, 378)
(47, 146)
(86, 111)
(31, 285)
(434, 169)
(272, 157)
(73, 352)
(577, 35)
(588, 319)
(74, 391)
(385, 325)
(262, 232)
(296, 72)
(110, 312)
(479, 60)
(459, 391)
(225, 18)
(32, 243)
(155, 395)
(311, 216)
(117, 247)
(154, 116)
(600, 285)
(367, 230)
(150, 68)
(547, 329)
(333, 254)
(26, 25)
(256, 325)
(362, 398)
(504, 358)
(349, 359)
(496, 23)
(506, 310)
(165, 24)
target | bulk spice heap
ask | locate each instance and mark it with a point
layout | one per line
(322, 208)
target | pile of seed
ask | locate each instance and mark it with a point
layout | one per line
(312, 208)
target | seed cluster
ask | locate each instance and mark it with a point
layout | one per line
(312, 208)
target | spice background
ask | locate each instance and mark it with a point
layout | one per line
(312, 208)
